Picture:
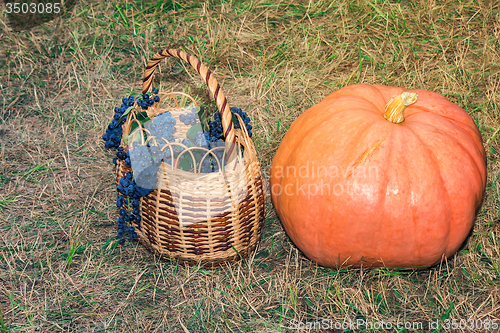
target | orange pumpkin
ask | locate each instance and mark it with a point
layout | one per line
(379, 176)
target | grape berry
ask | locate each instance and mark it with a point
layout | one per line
(189, 118)
(245, 119)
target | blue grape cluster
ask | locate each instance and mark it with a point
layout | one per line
(215, 138)
(122, 155)
(210, 164)
(146, 101)
(162, 126)
(207, 136)
(146, 160)
(201, 139)
(129, 194)
(245, 119)
(113, 135)
(189, 118)
(141, 157)
(215, 133)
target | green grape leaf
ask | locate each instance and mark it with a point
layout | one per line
(191, 133)
(198, 155)
(143, 118)
(133, 127)
(185, 163)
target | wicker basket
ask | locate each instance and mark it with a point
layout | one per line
(230, 226)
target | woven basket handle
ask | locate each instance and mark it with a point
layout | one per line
(213, 86)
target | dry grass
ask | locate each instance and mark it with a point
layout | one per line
(61, 268)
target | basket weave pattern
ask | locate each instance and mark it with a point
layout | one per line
(225, 228)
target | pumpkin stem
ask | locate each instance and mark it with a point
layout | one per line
(394, 109)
